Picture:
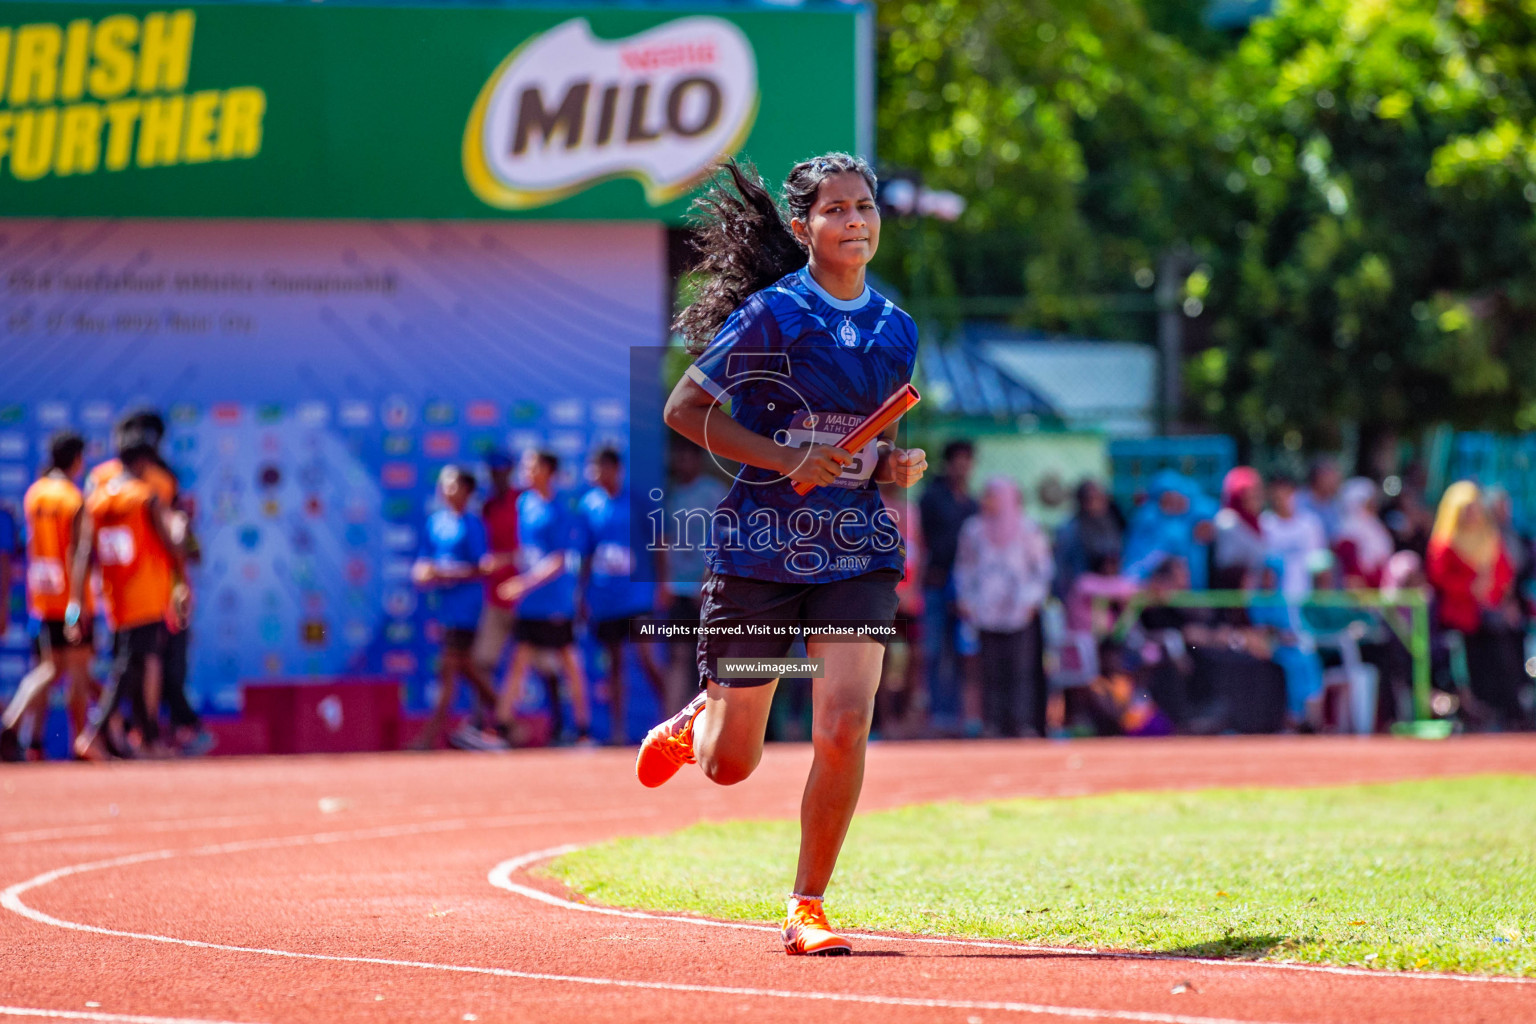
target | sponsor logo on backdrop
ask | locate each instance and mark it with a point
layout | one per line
(90, 96)
(567, 110)
(356, 414)
(398, 476)
(53, 414)
(397, 414)
(441, 444)
(400, 538)
(314, 414)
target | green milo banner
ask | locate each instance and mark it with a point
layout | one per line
(401, 113)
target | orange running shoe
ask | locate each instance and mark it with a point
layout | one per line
(807, 933)
(668, 746)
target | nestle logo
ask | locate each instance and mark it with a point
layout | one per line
(691, 54)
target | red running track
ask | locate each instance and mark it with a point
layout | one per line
(356, 889)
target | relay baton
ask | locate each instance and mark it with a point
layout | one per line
(873, 425)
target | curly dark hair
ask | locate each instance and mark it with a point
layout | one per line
(745, 240)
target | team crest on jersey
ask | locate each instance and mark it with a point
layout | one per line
(848, 334)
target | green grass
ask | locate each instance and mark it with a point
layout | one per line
(1434, 875)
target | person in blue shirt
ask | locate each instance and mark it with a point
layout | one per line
(1175, 522)
(615, 601)
(449, 569)
(545, 593)
(790, 335)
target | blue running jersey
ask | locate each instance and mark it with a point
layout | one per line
(455, 541)
(612, 591)
(545, 527)
(800, 366)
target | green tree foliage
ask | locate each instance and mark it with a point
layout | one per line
(1356, 178)
(1076, 134)
(1375, 260)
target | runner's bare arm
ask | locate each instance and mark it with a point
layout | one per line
(172, 536)
(85, 544)
(458, 573)
(165, 531)
(544, 570)
(688, 412)
(495, 561)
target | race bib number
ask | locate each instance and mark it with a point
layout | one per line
(115, 545)
(45, 577)
(828, 428)
(611, 559)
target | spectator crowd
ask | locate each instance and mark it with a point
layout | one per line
(1267, 607)
(1276, 605)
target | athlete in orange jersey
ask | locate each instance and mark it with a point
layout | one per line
(148, 426)
(159, 479)
(189, 735)
(52, 506)
(126, 529)
(188, 731)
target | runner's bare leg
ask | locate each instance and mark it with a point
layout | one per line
(842, 707)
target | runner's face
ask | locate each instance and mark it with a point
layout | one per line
(843, 225)
(606, 474)
(535, 471)
(455, 495)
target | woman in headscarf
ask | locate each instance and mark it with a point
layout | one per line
(1364, 543)
(1472, 577)
(1238, 554)
(1088, 538)
(1174, 523)
(1295, 649)
(1003, 572)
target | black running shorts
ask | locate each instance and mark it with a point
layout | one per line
(51, 636)
(143, 641)
(617, 630)
(548, 634)
(459, 639)
(860, 607)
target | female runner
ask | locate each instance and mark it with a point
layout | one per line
(788, 331)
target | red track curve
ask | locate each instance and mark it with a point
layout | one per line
(355, 888)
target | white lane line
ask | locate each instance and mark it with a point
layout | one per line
(119, 1018)
(501, 877)
(86, 831)
(11, 900)
(107, 827)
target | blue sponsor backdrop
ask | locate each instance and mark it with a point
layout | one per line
(315, 376)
